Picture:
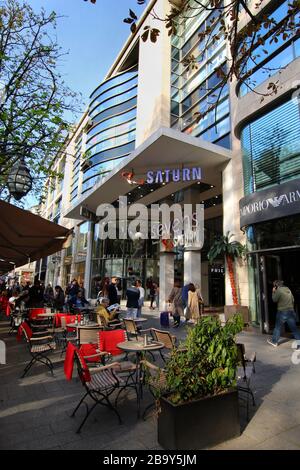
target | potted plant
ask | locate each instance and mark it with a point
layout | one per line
(223, 246)
(198, 402)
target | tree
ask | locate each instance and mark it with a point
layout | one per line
(231, 250)
(34, 100)
(248, 42)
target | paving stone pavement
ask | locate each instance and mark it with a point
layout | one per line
(35, 411)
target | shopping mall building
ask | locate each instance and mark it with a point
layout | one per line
(141, 119)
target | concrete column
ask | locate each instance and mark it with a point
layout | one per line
(74, 252)
(233, 191)
(192, 267)
(62, 268)
(154, 80)
(88, 261)
(166, 277)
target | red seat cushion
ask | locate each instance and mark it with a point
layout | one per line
(88, 350)
(108, 341)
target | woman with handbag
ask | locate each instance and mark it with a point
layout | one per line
(193, 311)
(175, 298)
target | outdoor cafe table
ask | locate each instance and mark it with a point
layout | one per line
(136, 320)
(139, 348)
(91, 324)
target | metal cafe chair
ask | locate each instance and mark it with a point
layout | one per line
(244, 374)
(67, 336)
(99, 384)
(88, 335)
(39, 348)
(132, 329)
(167, 339)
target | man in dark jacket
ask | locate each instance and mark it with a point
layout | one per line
(112, 291)
(36, 295)
(285, 312)
(133, 295)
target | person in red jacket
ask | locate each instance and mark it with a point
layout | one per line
(4, 302)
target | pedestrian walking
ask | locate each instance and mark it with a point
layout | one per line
(193, 304)
(112, 291)
(175, 298)
(59, 299)
(133, 295)
(284, 298)
(142, 297)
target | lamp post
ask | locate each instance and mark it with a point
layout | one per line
(19, 180)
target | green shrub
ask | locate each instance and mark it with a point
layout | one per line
(207, 365)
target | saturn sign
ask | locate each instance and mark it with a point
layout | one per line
(174, 175)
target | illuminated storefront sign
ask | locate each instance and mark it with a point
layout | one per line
(175, 175)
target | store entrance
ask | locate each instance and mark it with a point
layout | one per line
(278, 265)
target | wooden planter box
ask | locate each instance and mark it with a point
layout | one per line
(199, 424)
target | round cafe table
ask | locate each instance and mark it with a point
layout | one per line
(91, 324)
(139, 348)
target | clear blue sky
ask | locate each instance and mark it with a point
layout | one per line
(93, 35)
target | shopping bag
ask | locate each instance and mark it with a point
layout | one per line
(164, 319)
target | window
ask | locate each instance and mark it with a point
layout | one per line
(271, 148)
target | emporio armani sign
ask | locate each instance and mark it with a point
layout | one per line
(279, 201)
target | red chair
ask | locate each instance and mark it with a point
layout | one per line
(108, 340)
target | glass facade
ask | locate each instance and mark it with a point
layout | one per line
(112, 136)
(271, 148)
(126, 259)
(269, 55)
(195, 86)
(271, 156)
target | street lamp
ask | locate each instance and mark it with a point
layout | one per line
(19, 181)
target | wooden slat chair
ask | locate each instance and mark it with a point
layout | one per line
(132, 330)
(99, 385)
(88, 335)
(67, 335)
(244, 374)
(88, 342)
(167, 339)
(39, 348)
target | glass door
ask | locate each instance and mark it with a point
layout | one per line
(270, 270)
